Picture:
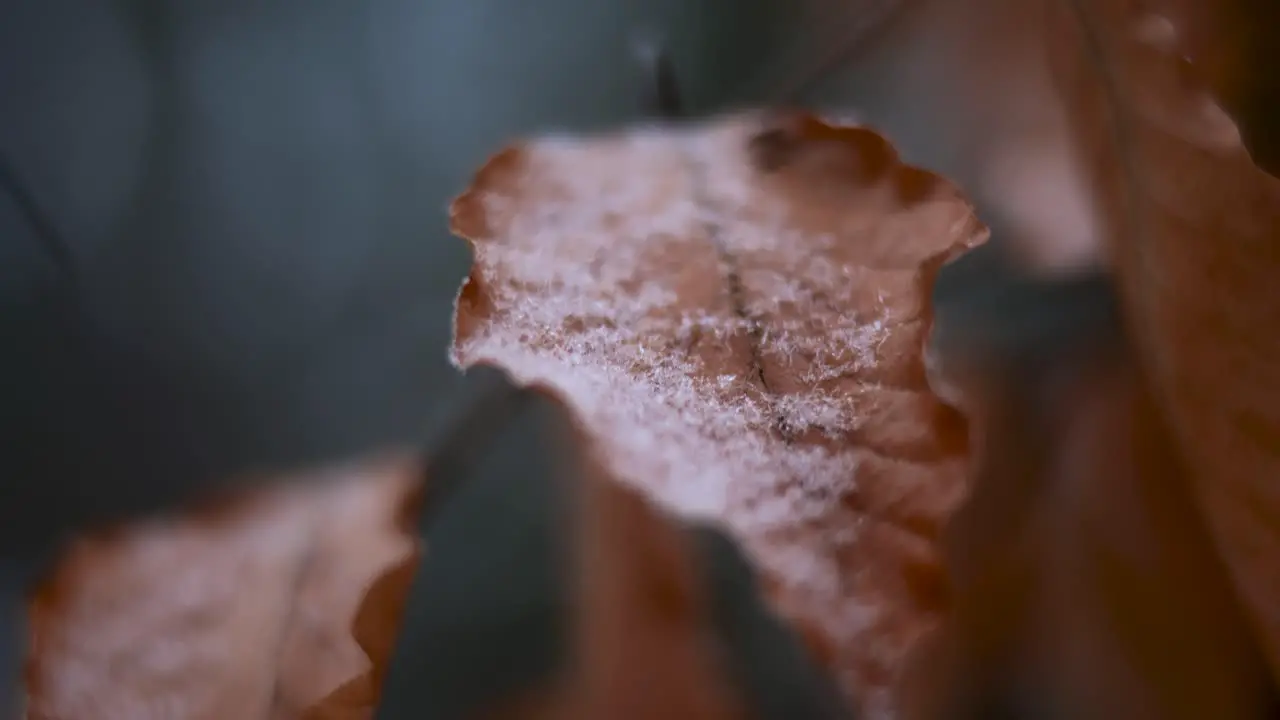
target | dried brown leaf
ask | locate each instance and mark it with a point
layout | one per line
(1087, 565)
(737, 310)
(641, 616)
(1084, 584)
(242, 612)
(375, 628)
(1194, 231)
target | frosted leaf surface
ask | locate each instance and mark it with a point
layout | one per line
(737, 310)
(240, 610)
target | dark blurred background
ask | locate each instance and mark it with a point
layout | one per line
(252, 196)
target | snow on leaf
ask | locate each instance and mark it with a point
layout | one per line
(240, 612)
(737, 309)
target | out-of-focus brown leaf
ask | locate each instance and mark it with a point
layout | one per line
(1084, 582)
(737, 311)
(1126, 503)
(642, 644)
(1193, 227)
(375, 627)
(1229, 46)
(640, 622)
(241, 612)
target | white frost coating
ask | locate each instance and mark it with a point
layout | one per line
(586, 277)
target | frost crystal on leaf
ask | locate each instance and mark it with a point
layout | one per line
(744, 344)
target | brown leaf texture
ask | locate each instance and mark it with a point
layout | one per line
(641, 614)
(239, 613)
(1084, 583)
(1193, 227)
(375, 628)
(1087, 566)
(737, 311)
